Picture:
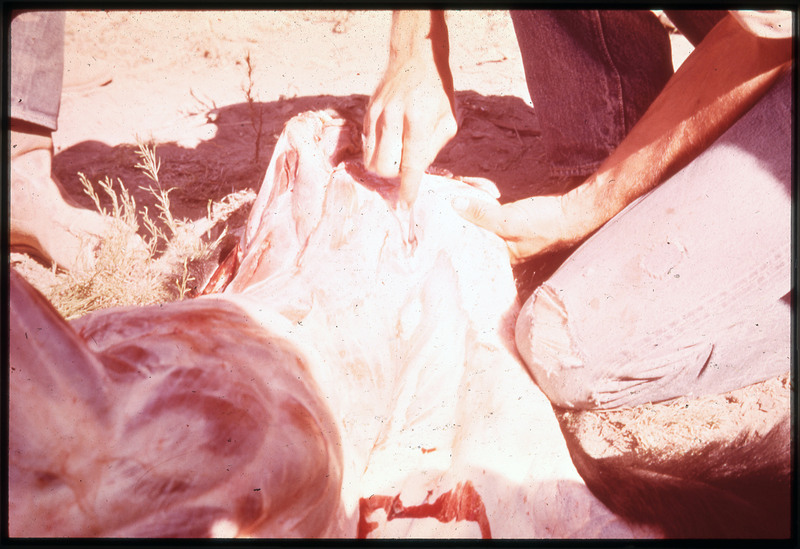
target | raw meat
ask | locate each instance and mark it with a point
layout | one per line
(177, 421)
(367, 381)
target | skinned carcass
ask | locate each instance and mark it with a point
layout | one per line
(177, 421)
(346, 380)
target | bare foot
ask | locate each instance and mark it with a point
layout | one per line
(42, 221)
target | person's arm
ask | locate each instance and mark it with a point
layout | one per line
(411, 115)
(727, 73)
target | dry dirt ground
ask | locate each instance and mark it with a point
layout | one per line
(212, 91)
(180, 80)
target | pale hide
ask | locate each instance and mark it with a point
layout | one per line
(348, 381)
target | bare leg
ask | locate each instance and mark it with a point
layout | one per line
(684, 293)
(42, 221)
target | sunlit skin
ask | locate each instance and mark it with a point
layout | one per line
(722, 78)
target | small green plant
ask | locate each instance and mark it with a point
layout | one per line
(119, 276)
(165, 264)
(149, 163)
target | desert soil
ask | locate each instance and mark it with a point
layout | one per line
(180, 80)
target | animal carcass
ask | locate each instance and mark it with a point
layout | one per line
(347, 381)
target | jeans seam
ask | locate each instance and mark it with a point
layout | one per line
(617, 79)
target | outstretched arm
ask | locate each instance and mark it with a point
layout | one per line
(411, 115)
(727, 73)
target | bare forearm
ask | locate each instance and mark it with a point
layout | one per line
(419, 39)
(411, 115)
(728, 72)
(418, 33)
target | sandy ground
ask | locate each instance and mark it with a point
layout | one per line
(180, 80)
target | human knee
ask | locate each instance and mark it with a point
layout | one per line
(545, 340)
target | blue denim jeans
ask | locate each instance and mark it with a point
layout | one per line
(687, 291)
(592, 74)
(36, 67)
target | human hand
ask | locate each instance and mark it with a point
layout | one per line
(530, 226)
(411, 115)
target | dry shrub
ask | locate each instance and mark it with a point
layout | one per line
(166, 265)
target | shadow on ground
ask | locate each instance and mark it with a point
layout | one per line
(498, 139)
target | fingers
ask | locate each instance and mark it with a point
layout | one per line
(420, 150)
(410, 178)
(390, 150)
(393, 148)
(415, 160)
(406, 133)
(384, 142)
(402, 137)
(483, 214)
(368, 135)
(490, 216)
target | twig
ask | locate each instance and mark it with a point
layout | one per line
(256, 114)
